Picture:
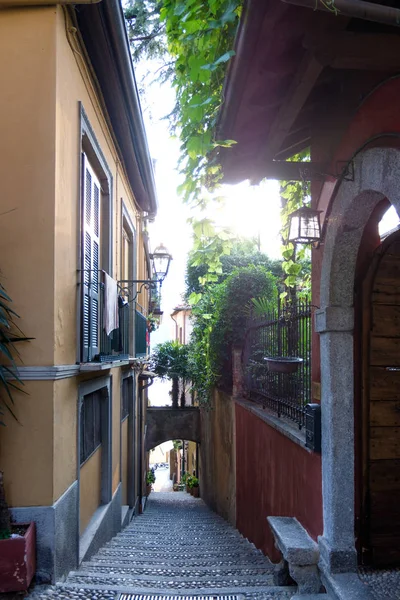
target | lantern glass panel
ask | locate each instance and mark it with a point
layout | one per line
(161, 260)
(294, 228)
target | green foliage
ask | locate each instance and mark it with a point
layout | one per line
(191, 481)
(194, 40)
(150, 477)
(296, 261)
(243, 254)
(169, 360)
(10, 334)
(177, 444)
(219, 322)
(200, 39)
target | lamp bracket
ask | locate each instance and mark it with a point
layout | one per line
(126, 287)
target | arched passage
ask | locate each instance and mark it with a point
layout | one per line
(165, 424)
(375, 178)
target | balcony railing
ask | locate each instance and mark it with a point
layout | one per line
(140, 334)
(277, 360)
(116, 345)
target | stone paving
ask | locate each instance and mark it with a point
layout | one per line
(177, 547)
(383, 583)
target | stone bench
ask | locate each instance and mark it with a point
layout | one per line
(300, 555)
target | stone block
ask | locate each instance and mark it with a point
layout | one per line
(293, 541)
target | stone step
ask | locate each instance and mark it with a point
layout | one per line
(311, 597)
(156, 570)
(210, 554)
(134, 544)
(168, 583)
(258, 591)
(121, 559)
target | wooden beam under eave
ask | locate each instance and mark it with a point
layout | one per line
(302, 84)
(354, 50)
(294, 171)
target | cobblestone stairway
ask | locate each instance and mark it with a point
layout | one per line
(178, 547)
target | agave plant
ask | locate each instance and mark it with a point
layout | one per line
(10, 334)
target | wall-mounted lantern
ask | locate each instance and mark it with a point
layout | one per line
(304, 226)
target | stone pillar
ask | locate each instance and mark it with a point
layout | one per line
(337, 545)
(237, 373)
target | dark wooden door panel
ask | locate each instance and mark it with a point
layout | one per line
(384, 384)
(386, 320)
(384, 443)
(385, 413)
(385, 351)
(384, 476)
(381, 507)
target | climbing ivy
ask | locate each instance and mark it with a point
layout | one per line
(199, 40)
(200, 37)
(296, 260)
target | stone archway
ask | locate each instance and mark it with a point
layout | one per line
(376, 176)
(165, 424)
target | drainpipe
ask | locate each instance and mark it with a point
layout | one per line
(24, 3)
(356, 9)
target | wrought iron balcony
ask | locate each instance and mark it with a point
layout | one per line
(129, 339)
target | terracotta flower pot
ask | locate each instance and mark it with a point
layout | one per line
(196, 491)
(148, 489)
(18, 560)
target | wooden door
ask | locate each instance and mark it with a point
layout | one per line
(382, 408)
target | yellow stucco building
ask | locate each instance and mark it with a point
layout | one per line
(77, 190)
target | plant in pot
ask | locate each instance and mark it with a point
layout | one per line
(195, 487)
(150, 479)
(17, 541)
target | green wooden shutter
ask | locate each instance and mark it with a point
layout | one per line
(90, 261)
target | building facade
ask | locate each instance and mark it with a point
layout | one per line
(78, 189)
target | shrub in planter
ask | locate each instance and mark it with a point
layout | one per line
(150, 479)
(17, 550)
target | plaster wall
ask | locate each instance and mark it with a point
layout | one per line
(217, 473)
(65, 435)
(90, 488)
(274, 477)
(26, 447)
(27, 172)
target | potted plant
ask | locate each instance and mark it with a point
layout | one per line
(283, 364)
(17, 550)
(150, 479)
(195, 487)
(17, 541)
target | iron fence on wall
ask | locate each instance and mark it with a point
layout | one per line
(277, 360)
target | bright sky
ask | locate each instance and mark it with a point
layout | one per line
(248, 211)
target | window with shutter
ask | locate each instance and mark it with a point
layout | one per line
(90, 259)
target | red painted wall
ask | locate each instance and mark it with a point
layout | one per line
(274, 477)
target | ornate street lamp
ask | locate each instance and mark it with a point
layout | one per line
(304, 226)
(161, 260)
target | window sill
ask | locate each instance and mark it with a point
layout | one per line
(102, 366)
(284, 426)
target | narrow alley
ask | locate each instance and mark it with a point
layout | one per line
(178, 546)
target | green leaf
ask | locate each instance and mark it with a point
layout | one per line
(194, 298)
